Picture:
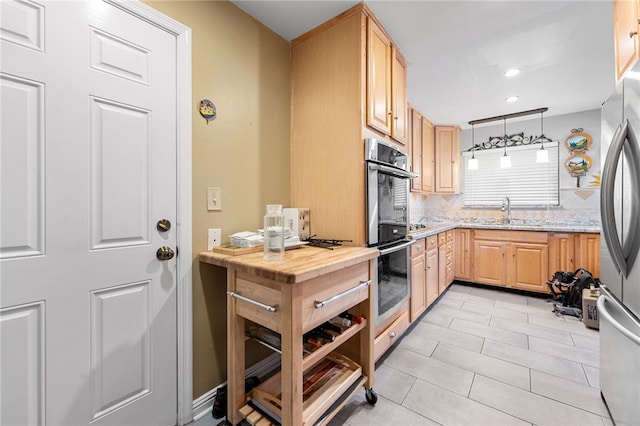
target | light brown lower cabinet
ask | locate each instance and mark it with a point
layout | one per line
(512, 259)
(417, 277)
(462, 254)
(570, 251)
(432, 291)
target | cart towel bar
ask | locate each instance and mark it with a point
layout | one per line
(319, 304)
(270, 308)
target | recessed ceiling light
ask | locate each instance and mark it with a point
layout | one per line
(512, 72)
(511, 99)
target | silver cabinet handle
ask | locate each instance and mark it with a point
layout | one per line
(320, 304)
(392, 334)
(602, 310)
(270, 308)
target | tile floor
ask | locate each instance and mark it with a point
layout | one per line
(485, 357)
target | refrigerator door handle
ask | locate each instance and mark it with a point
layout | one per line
(632, 239)
(607, 297)
(609, 229)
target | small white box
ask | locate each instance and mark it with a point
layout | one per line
(298, 221)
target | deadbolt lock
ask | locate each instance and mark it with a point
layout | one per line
(165, 253)
(163, 225)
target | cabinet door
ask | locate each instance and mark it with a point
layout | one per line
(450, 264)
(418, 288)
(442, 269)
(462, 251)
(447, 152)
(528, 267)
(427, 155)
(399, 97)
(625, 28)
(489, 262)
(432, 291)
(588, 253)
(378, 78)
(416, 150)
(562, 253)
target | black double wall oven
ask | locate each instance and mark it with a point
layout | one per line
(387, 184)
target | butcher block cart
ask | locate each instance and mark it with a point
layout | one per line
(309, 287)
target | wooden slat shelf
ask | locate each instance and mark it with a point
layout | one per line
(324, 350)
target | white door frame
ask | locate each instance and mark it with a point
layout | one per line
(183, 225)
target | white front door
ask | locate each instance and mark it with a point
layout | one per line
(88, 168)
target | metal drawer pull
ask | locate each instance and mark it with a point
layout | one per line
(321, 304)
(269, 308)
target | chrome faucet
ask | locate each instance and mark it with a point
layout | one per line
(506, 205)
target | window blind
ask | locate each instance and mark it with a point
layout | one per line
(526, 182)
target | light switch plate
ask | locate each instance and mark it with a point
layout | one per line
(214, 199)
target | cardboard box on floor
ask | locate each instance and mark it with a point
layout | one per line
(589, 308)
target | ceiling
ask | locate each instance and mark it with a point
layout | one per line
(458, 51)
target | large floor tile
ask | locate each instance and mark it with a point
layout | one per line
(453, 337)
(587, 342)
(448, 408)
(432, 370)
(496, 294)
(535, 360)
(458, 288)
(472, 299)
(418, 343)
(493, 333)
(571, 393)
(562, 322)
(496, 312)
(543, 332)
(568, 352)
(450, 301)
(528, 406)
(494, 368)
(393, 384)
(438, 318)
(358, 412)
(529, 309)
(480, 318)
(593, 375)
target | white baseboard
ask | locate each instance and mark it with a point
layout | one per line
(203, 405)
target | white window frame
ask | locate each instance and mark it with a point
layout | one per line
(526, 183)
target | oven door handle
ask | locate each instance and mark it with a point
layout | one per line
(392, 171)
(397, 248)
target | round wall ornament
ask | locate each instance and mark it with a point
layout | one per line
(207, 110)
(578, 142)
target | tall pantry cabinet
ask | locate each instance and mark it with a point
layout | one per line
(348, 84)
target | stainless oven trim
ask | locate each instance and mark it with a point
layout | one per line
(394, 171)
(379, 319)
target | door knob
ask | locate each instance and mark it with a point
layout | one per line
(165, 253)
(163, 225)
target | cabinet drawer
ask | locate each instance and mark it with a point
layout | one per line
(390, 335)
(442, 238)
(418, 248)
(450, 248)
(449, 236)
(336, 285)
(432, 242)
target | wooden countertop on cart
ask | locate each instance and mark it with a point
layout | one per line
(298, 265)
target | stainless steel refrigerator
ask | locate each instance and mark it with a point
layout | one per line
(619, 303)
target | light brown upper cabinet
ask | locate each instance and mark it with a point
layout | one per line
(422, 152)
(386, 85)
(447, 159)
(626, 23)
(341, 94)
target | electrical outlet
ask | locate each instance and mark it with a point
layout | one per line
(214, 199)
(214, 236)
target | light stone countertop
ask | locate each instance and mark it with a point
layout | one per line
(433, 228)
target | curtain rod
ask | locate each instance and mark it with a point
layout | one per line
(512, 115)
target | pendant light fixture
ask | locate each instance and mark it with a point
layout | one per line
(472, 164)
(542, 155)
(505, 160)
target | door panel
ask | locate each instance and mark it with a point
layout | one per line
(90, 158)
(21, 363)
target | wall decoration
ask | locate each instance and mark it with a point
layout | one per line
(578, 165)
(578, 141)
(207, 110)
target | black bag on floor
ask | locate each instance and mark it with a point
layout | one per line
(566, 290)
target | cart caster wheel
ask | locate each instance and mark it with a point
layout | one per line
(371, 396)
